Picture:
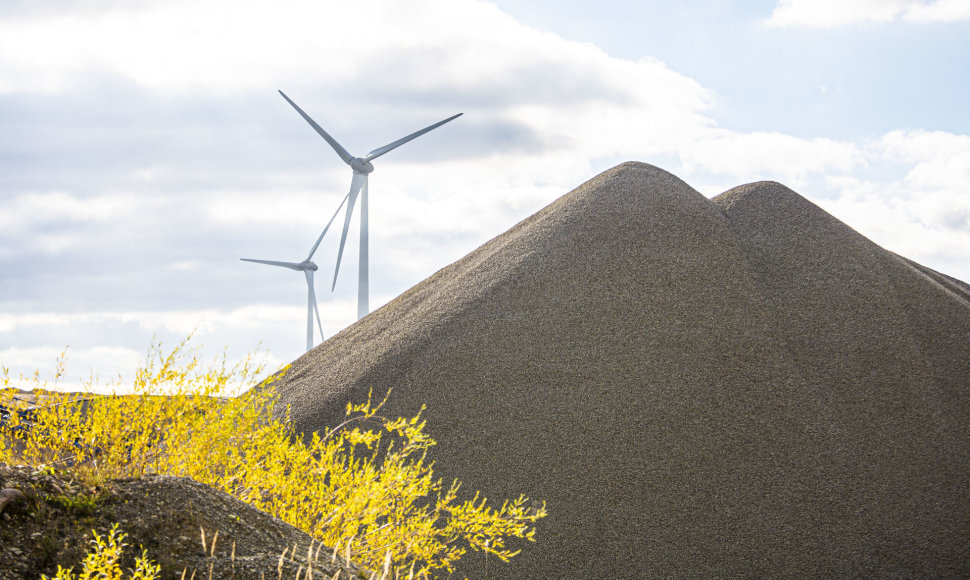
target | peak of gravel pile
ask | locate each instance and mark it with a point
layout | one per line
(698, 388)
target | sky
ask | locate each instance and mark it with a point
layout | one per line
(144, 148)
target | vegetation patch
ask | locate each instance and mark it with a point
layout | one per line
(366, 488)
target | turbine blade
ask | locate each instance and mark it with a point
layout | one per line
(382, 150)
(358, 181)
(313, 300)
(324, 232)
(347, 157)
(290, 265)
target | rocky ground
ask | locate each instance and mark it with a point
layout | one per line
(183, 525)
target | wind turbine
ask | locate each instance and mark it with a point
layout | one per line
(358, 185)
(308, 268)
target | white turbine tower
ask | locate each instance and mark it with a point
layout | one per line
(308, 268)
(362, 167)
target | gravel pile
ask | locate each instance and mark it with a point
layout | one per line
(729, 387)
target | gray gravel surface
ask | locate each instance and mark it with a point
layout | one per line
(742, 386)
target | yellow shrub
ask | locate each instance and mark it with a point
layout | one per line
(370, 491)
(102, 561)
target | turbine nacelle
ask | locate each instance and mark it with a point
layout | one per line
(361, 165)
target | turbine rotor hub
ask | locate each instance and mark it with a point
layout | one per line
(361, 166)
(308, 265)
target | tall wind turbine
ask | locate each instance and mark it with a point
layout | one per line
(308, 268)
(358, 185)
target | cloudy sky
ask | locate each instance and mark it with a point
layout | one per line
(144, 148)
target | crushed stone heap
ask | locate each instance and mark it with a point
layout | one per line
(737, 386)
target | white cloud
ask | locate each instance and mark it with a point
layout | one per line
(829, 13)
(292, 208)
(45, 222)
(753, 156)
(44, 360)
(833, 13)
(939, 11)
(463, 51)
(186, 265)
(179, 322)
(922, 226)
(220, 46)
(28, 209)
(945, 172)
(938, 160)
(926, 215)
(921, 145)
(174, 45)
(99, 369)
(49, 334)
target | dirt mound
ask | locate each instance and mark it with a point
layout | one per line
(51, 525)
(737, 386)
